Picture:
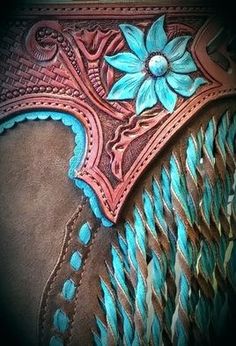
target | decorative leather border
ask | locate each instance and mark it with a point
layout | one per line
(79, 11)
(151, 132)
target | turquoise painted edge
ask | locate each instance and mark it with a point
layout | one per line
(78, 154)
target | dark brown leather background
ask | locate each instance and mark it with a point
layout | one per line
(36, 201)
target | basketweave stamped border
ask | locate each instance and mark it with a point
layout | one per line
(109, 168)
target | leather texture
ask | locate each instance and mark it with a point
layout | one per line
(37, 200)
(52, 59)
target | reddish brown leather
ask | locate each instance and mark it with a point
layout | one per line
(57, 64)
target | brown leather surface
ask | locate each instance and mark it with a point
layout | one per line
(88, 304)
(82, 309)
(36, 200)
(54, 214)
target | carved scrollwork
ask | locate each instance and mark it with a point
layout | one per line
(63, 66)
(45, 40)
(42, 41)
(126, 134)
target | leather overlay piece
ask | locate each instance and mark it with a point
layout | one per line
(117, 175)
(81, 308)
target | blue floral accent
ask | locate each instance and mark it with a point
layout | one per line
(156, 70)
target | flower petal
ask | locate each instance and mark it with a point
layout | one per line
(126, 62)
(184, 65)
(183, 84)
(156, 37)
(127, 87)
(135, 39)
(146, 97)
(167, 97)
(176, 47)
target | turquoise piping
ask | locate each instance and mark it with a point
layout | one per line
(78, 154)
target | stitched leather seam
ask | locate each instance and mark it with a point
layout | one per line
(167, 135)
(72, 320)
(44, 103)
(48, 103)
(154, 149)
(131, 9)
(67, 241)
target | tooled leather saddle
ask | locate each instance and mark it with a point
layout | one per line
(117, 175)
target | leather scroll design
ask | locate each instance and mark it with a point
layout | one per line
(131, 92)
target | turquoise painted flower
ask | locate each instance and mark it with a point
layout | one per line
(156, 69)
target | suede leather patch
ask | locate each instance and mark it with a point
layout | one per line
(36, 201)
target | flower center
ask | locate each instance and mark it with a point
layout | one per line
(158, 65)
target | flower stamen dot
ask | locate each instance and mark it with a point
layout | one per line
(158, 65)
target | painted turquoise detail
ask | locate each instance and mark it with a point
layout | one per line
(149, 211)
(60, 321)
(94, 203)
(84, 234)
(192, 157)
(124, 250)
(222, 133)
(203, 307)
(156, 69)
(165, 182)
(69, 289)
(179, 185)
(56, 341)
(175, 212)
(158, 65)
(120, 281)
(103, 339)
(141, 287)
(217, 200)
(184, 246)
(166, 200)
(76, 260)
(184, 285)
(158, 263)
(209, 140)
(207, 201)
(123, 245)
(158, 205)
(97, 339)
(78, 154)
(231, 265)
(130, 237)
(158, 285)
(231, 135)
(109, 304)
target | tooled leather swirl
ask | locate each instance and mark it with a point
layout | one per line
(113, 170)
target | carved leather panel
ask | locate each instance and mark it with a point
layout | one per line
(59, 64)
